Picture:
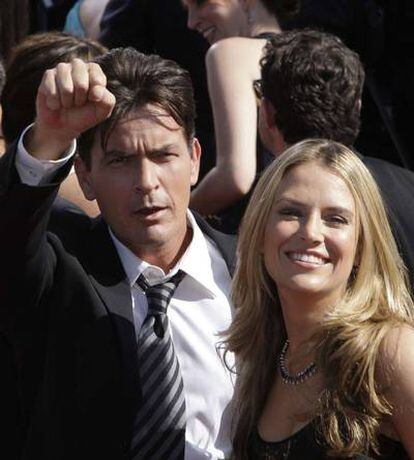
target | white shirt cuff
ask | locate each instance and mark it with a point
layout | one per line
(33, 171)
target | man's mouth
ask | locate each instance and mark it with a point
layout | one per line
(150, 211)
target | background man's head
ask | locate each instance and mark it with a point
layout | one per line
(26, 66)
(311, 86)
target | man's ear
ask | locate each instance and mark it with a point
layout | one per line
(85, 178)
(271, 135)
(359, 105)
(195, 151)
(268, 112)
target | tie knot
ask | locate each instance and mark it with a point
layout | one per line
(159, 295)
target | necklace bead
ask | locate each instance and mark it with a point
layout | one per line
(297, 378)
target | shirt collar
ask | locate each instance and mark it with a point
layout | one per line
(195, 262)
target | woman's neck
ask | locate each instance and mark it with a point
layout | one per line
(260, 20)
(302, 316)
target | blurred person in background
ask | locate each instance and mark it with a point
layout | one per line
(84, 18)
(28, 62)
(237, 31)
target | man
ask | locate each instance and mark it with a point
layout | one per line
(311, 85)
(105, 372)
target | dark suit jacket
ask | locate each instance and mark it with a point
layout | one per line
(397, 189)
(65, 306)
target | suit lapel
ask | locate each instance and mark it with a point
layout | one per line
(108, 278)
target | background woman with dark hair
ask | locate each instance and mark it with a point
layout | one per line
(237, 31)
(14, 24)
(27, 64)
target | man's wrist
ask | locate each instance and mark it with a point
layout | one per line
(44, 144)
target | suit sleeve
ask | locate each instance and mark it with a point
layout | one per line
(27, 261)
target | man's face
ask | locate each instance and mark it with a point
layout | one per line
(142, 182)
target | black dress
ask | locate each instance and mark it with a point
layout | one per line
(306, 444)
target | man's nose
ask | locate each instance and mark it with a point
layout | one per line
(146, 178)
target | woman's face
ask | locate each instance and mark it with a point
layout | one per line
(311, 236)
(216, 19)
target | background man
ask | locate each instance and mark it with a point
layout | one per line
(104, 372)
(311, 85)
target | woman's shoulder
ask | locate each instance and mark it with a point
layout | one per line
(246, 52)
(397, 345)
(235, 46)
(396, 377)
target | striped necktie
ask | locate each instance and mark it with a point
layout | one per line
(159, 431)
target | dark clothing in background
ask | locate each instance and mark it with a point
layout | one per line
(397, 189)
(382, 33)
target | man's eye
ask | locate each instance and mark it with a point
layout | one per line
(118, 160)
(164, 156)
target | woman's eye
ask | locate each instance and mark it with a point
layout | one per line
(337, 220)
(290, 212)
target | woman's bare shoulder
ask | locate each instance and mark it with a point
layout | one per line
(235, 46)
(237, 52)
(396, 355)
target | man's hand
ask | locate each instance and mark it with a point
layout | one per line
(71, 98)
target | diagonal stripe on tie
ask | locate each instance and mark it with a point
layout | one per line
(159, 429)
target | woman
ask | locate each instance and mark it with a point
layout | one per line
(324, 327)
(83, 19)
(237, 31)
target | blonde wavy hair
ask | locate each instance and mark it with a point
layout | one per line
(377, 299)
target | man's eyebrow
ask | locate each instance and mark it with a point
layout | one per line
(115, 152)
(156, 150)
(164, 148)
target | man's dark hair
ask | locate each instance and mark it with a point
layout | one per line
(136, 80)
(28, 62)
(314, 83)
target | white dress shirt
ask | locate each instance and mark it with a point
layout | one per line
(199, 310)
